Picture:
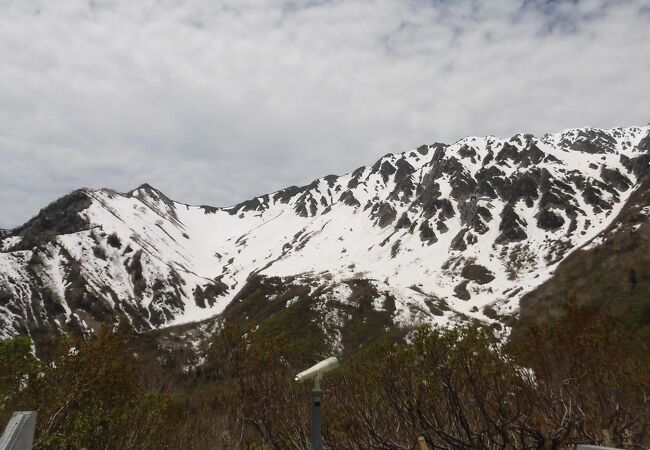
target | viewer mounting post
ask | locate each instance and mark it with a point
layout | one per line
(316, 418)
(595, 447)
(316, 372)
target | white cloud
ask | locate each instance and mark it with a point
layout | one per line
(217, 101)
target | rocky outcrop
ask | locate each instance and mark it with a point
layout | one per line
(59, 217)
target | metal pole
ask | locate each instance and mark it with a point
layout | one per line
(316, 400)
(595, 447)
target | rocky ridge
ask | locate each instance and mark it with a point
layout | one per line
(440, 234)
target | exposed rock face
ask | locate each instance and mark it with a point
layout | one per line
(384, 214)
(477, 273)
(59, 217)
(461, 291)
(548, 220)
(405, 224)
(349, 199)
(427, 234)
(511, 227)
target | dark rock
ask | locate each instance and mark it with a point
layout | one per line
(80, 296)
(556, 199)
(508, 151)
(477, 273)
(480, 226)
(644, 143)
(349, 199)
(209, 209)
(549, 220)
(578, 180)
(306, 207)
(395, 248)
(403, 222)
(467, 152)
(592, 195)
(249, 205)
(488, 158)
(511, 227)
(59, 217)
(36, 259)
(439, 152)
(384, 214)
(486, 178)
(615, 178)
(153, 198)
(386, 170)
(458, 242)
(461, 291)
(462, 184)
(404, 183)
(639, 166)
(354, 181)
(531, 155)
(591, 141)
(525, 187)
(331, 179)
(426, 233)
(516, 139)
(490, 312)
(552, 159)
(114, 241)
(484, 213)
(99, 252)
(209, 293)
(135, 270)
(431, 206)
(285, 195)
(566, 188)
(167, 299)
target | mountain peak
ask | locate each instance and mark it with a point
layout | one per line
(147, 191)
(145, 187)
(409, 225)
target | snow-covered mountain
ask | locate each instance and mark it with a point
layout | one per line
(440, 234)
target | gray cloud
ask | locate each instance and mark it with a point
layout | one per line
(217, 101)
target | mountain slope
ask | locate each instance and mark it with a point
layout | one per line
(611, 274)
(402, 241)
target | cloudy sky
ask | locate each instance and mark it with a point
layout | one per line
(215, 101)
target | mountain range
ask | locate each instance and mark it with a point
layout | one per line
(483, 230)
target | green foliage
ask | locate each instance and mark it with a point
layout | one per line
(17, 367)
(280, 310)
(258, 446)
(365, 324)
(580, 379)
(87, 393)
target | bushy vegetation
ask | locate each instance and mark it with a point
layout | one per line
(578, 380)
(87, 393)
